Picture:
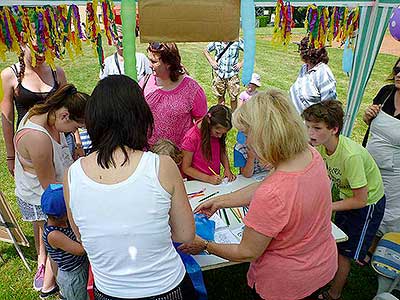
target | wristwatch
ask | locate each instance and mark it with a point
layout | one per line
(205, 248)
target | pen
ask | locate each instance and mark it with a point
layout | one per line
(212, 171)
(199, 192)
(209, 196)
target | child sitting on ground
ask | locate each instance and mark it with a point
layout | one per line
(251, 89)
(353, 170)
(204, 147)
(62, 246)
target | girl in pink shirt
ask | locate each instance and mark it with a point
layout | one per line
(204, 147)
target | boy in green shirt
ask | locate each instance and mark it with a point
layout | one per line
(353, 170)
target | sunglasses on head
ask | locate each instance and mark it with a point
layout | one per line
(396, 70)
(157, 46)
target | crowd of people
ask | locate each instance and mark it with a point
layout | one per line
(122, 202)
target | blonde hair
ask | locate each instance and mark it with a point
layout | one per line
(275, 129)
(166, 147)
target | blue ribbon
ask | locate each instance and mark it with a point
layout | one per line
(248, 17)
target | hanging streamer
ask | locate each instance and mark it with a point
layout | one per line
(249, 33)
(52, 31)
(323, 27)
(283, 24)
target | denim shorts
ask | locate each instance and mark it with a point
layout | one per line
(361, 226)
(30, 212)
(73, 284)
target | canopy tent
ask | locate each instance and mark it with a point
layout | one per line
(374, 17)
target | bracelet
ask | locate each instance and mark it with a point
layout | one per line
(78, 146)
(10, 157)
(205, 248)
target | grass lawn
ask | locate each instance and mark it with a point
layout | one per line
(278, 68)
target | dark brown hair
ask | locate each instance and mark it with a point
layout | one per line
(330, 112)
(21, 72)
(393, 75)
(217, 115)
(66, 96)
(169, 54)
(312, 55)
(117, 116)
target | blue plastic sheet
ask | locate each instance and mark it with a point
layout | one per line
(205, 228)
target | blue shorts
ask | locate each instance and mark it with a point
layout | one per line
(360, 225)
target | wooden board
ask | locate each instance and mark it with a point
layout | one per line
(7, 216)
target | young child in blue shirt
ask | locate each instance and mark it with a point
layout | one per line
(63, 247)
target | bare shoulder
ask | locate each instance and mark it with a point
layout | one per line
(167, 165)
(8, 76)
(61, 75)
(36, 140)
(168, 173)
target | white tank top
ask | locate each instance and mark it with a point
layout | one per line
(125, 231)
(27, 185)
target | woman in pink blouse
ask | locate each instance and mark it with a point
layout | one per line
(287, 235)
(175, 99)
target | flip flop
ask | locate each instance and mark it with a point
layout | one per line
(326, 296)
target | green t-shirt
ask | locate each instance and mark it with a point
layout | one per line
(352, 167)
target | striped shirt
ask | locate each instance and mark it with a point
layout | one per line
(65, 261)
(240, 158)
(229, 59)
(313, 86)
(85, 139)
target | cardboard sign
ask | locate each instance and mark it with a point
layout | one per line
(189, 20)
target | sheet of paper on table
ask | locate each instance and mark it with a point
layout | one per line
(222, 232)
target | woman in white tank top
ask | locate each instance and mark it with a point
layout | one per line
(42, 156)
(127, 205)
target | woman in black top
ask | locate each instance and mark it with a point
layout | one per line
(388, 96)
(383, 118)
(24, 86)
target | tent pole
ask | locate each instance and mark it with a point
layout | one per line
(128, 17)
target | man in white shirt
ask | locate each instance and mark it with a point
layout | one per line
(114, 64)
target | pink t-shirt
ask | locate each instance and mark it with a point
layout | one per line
(174, 110)
(192, 143)
(295, 210)
(245, 96)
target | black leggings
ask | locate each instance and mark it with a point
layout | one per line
(184, 291)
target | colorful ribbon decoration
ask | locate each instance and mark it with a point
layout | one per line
(283, 23)
(324, 27)
(52, 31)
